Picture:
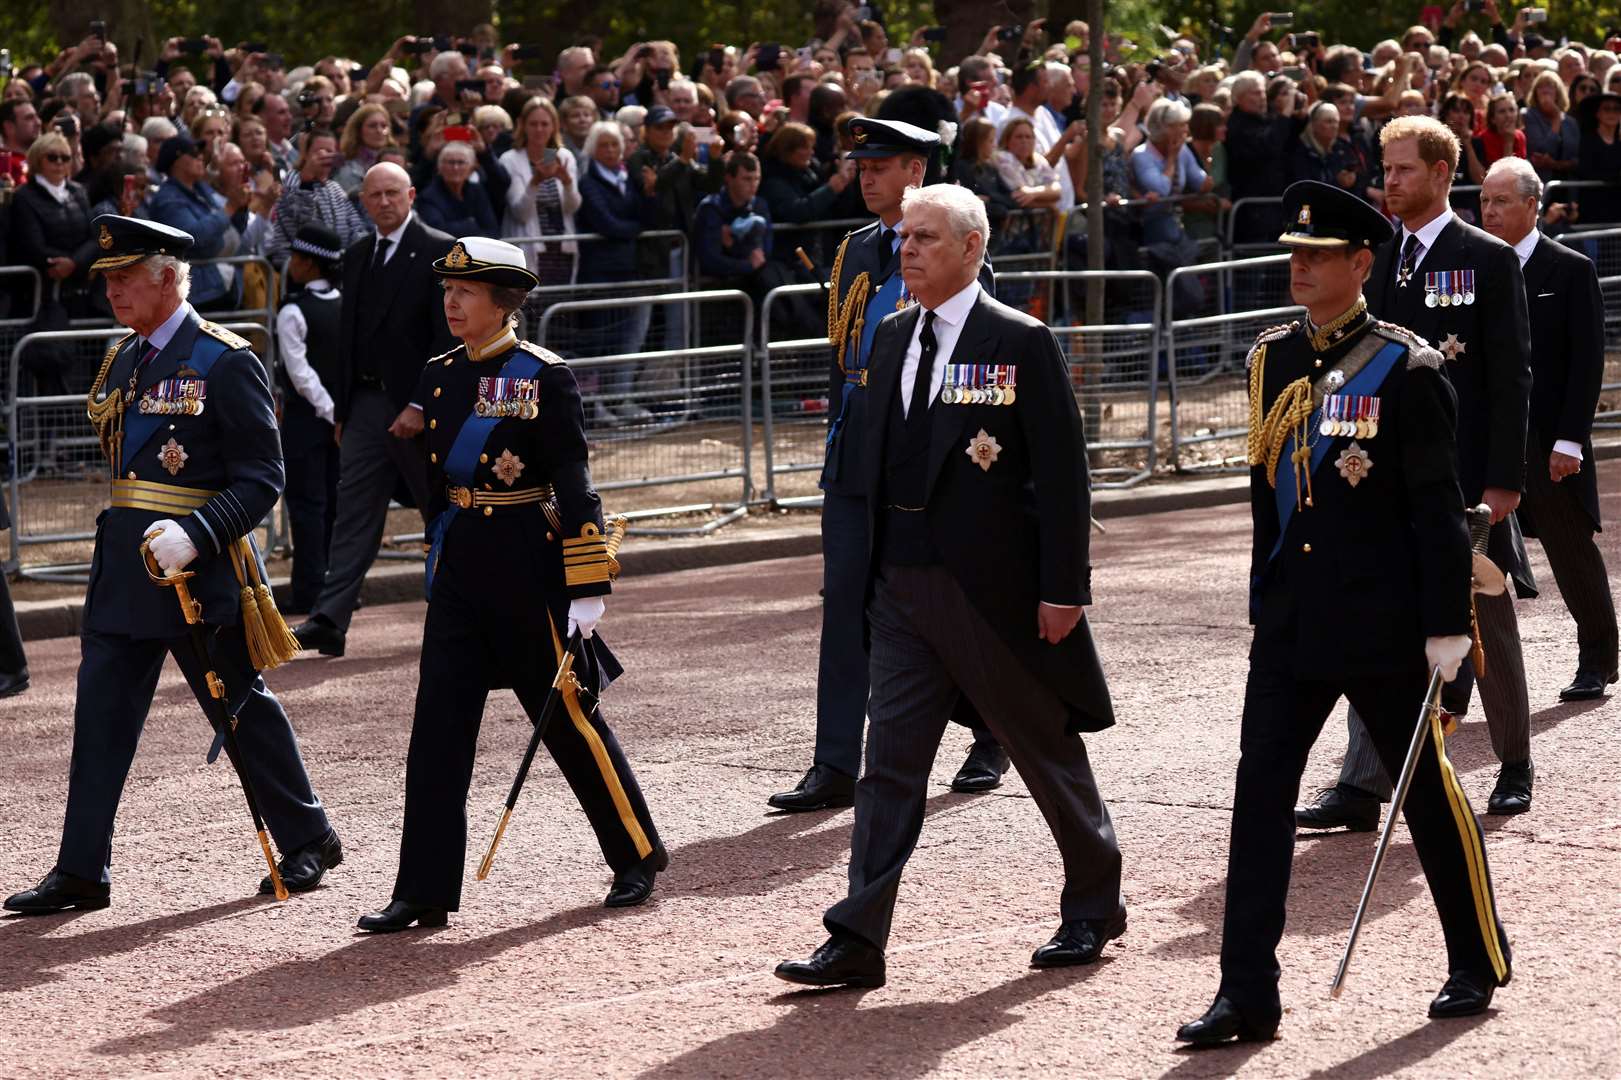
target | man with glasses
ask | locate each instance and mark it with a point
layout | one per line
(602, 86)
(745, 94)
(186, 202)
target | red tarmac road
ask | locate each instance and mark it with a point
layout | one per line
(189, 973)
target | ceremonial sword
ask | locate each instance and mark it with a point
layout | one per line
(1486, 578)
(217, 709)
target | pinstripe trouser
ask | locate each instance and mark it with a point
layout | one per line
(1566, 533)
(1503, 697)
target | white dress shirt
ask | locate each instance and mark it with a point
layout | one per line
(948, 321)
(168, 328)
(1426, 238)
(1528, 244)
(291, 334)
(393, 238)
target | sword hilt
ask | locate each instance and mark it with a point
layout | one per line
(1480, 527)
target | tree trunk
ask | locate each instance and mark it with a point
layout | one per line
(1093, 369)
(128, 22)
(966, 21)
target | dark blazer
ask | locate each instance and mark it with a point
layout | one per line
(232, 448)
(1015, 534)
(1370, 570)
(622, 218)
(470, 215)
(406, 329)
(1492, 373)
(1567, 358)
(42, 228)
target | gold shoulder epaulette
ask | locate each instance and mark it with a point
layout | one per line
(1271, 333)
(218, 332)
(446, 356)
(546, 355)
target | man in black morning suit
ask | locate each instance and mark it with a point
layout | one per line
(978, 504)
(1561, 505)
(866, 285)
(1460, 290)
(1359, 587)
(184, 414)
(392, 323)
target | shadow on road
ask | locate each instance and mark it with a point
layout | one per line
(1417, 1045)
(828, 1033)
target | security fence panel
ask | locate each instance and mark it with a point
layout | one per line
(1604, 248)
(1253, 226)
(58, 476)
(662, 268)
(671, 430)
(22, 290)
(794, 384)
(1209, 389)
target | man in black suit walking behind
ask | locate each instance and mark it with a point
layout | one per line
(392, 322)
(1460, 290)
(978, 502)
(1561, 489)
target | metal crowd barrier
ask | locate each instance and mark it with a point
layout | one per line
(671, 429)
(795, 408)
(1604, 248)
(58, 477)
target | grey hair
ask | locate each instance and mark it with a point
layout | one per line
(1526, 181)
(71, 86)
(443, 62)
(134, 150)
(599, 130)
(1320, 106)
(157, 264)
(158, 128)
(1248, 80)
(963, 210)
(1163, 113)
(472, 155)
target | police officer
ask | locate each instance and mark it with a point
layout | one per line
(185, 416)
(866, 285)
(518, 561)
(1359, 586)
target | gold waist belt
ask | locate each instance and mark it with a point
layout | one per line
(160, 498)
(467, 498)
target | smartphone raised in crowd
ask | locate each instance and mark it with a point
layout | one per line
(934, 33)
(459, 133)
(1536, 15)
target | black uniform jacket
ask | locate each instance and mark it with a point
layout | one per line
(1492, 372)
(1567, 358)
(232, 448)
(1014, 534)
(505, 571)
(862, 250)
(1369, 570)
(396, 323)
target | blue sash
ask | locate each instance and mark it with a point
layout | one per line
(140, 427)
(882, 302)
(1366, 381)
(462, 461)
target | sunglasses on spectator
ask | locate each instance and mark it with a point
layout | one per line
(59, 159)
(608, 84)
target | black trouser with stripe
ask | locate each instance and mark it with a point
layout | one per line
(460, 649)
(1283, 714)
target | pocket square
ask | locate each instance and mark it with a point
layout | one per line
(1540, 295)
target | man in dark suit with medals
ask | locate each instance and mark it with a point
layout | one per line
(1561, 506)
(978, 504)
(866, 285)
(392, 322)
(1354, 493)
(185, 417)
(1461, 291)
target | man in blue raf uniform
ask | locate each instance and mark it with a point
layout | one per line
(866, 286)
(184, 413)
(518, 563)
(1359, 587)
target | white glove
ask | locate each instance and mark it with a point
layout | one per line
(1447, 653)
(170, 546)
(584, 614)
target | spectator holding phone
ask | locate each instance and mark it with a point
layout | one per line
(792, 185)
(732, 228)
(313, 197)
(1502, 137)
(1258, 144)
(544, 193)
(185, 201)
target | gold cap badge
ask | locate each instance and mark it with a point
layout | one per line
(860, 136)
(457, 259)
(105, 239)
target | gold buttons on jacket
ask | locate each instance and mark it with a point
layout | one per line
(432, 424)
(488, 510)
(434, 458)
(1314, 363)
(484, 459)
(1306, 548)
(438, 390)
(132, 474)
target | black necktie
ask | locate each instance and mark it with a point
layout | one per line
(886, 251)
(382, 254)
(1409, 259)
(918, 403)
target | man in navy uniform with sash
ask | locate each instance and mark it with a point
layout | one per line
(184, 413)
(866, 286)
(1359, 587)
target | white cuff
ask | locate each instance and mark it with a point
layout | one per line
(1568, 448)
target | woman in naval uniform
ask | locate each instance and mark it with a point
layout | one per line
(518, 562)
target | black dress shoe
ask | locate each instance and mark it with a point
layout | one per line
(320, 635)
(634, 885)
(1079, 942)
(60, 892)
(983, 769)
(1512, 795)
(302, 870)
(1340, 807)
(843, 960)
(1225, 1022)
(399, 916)
(821, 788)
(1465, 994)
(13, 683)
(1586, 686)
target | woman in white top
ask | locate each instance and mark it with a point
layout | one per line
(544, 193)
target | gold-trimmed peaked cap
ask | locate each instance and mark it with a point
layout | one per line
(1320, 215)
(479, 258)
(125, 241)
(875, 138)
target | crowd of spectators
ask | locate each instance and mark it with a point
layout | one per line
(242, 148)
